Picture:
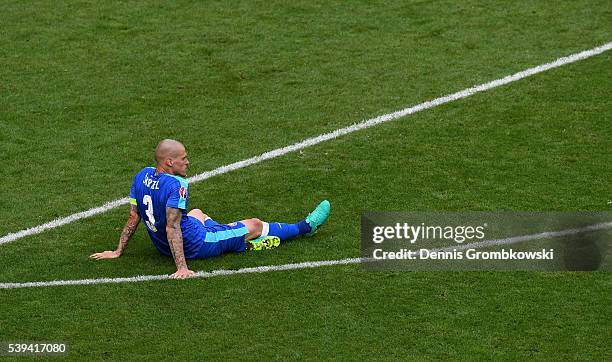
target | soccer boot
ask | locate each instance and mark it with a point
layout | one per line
(264, 243)
(318, 217)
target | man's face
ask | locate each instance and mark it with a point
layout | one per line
(180, 163)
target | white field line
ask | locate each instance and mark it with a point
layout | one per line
(304, 265)
(324, 137)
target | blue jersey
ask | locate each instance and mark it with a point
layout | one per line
(152, 193)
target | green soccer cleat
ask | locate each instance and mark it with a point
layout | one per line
(318, 217)
(263, 243)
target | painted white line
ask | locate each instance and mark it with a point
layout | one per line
(200, 274)
(324, 137)
(540, 236)
(304, 265)
(63, 221)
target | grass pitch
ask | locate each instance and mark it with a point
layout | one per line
(89, 88)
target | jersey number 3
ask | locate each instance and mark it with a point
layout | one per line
(148, 201)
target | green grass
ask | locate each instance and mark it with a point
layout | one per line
(338, 312)
(88, 89)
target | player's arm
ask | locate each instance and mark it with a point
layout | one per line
(128, 230)
(175, 239)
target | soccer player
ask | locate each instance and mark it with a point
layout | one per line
(159, 197)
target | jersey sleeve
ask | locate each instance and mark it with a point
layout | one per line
(178, 194)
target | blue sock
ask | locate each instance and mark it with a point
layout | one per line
(287, 231)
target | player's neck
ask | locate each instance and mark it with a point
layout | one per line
(160, 169)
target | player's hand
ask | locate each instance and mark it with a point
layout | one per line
(105, 255)
(182, 274)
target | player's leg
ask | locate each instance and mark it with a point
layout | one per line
(255, 227)
(254, 240)
(230, 238)
(307, 226)
(198, 214)
(254, 234)
(222, 238)
(204, 219)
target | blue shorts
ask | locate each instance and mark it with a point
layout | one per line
(221, 238)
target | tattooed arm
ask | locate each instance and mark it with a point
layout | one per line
(128, 229)
(175, 239)
(126, 235)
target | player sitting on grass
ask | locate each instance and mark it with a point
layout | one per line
(159, 197)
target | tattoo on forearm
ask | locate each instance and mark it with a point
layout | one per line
(128, 230)
(175, 236)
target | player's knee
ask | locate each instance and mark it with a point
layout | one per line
(256, 225)
(198, 214)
